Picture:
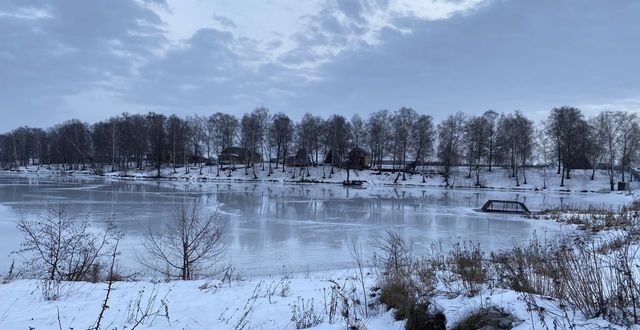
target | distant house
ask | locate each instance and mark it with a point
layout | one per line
(237, 155)
(301, 158)
(197, 159)
(358, 159)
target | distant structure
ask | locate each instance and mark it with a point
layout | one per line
(357, 159)
(238, 155)
(502, 206)
(300, 159)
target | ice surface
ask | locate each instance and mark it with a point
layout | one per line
(298, 226)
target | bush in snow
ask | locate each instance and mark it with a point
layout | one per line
(304, 314)
(487, 317)
(189, 246)
(60, 246)
(406, 285)
(466, 261)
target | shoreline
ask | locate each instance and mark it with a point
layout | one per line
(434, 181)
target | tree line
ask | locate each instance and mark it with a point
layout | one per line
(402, 139)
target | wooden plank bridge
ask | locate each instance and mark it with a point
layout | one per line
(504, 206)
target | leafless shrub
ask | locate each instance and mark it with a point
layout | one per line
(549, 313)
(191, 245)
(331, 304)
(395, 257)
(143, 311)
(466, 260)
(244, 320)
(596, 278)
(529, 268)
(407, 284)
(281, 288)
(345, 299)
(11, 274)
(624, 284)
(581, 278)
(358, 259)
(110, 282)
(304, 315)
(487, 317)
(60, 246)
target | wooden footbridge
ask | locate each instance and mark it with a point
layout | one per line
(503, 206)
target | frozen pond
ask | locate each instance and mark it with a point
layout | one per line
(272, 225)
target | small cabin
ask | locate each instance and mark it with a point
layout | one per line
(503, 206)
(358, 159)
(301, 159)
(237, 155)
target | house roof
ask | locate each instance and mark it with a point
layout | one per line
(357, 150)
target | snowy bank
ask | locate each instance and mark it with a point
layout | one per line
(499, 178)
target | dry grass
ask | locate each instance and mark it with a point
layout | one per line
(487, 317)
(595, 275)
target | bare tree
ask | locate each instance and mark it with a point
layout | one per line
(102, 135)
(197, 138)
(594, 145)
(130, 139)
(544, 149)
(403, 122)
(157, 137)
(516, 142)
(338, 135)
(261, 115)
(309, 133)
(358, 130)
(422, 140)
(177, 137)
(281, 135)
(525, 141)
(190, 245)
(210, 141)
(378, 135)
(607, 128)
(72, 144)
(476, 140)
(627, 139)
(491, 121)
(226, 127)
(450, 136)
(567, 127)
(61, 246)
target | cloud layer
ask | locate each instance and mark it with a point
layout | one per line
(90, 60)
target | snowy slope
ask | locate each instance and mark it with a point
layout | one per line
(499, 178)
(259, 303)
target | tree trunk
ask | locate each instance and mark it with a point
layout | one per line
(490, 153)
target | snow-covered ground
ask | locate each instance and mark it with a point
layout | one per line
(499, 178)
(256, 303)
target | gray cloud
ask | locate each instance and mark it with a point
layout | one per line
(60, 58)
(78, 45)
(508, 55)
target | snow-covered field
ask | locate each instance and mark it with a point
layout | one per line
(253, 303)
(497, 179)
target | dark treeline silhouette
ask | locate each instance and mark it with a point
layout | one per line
(397, 140)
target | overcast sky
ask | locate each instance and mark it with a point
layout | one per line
(90, 60)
